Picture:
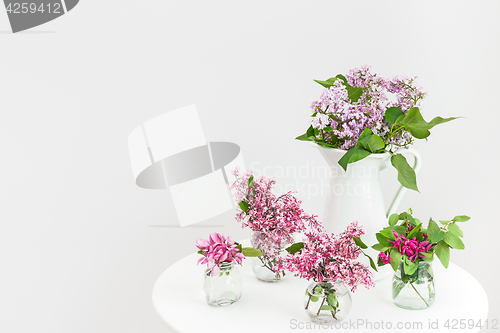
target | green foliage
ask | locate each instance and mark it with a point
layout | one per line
(353, 155)
(461, 218)
(251, 252)
(406, 174)
(294, 248)
(244, 206)
(397, 257)
(453, 241)
(455, 229)
(442, 251)
(360, 243)
(393, 219)
(410, 266)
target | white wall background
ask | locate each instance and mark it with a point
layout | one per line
(78, 253)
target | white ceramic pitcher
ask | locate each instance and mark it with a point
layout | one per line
(356, 194)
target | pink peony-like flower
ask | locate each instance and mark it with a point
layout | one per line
(384, 257)
(217, 250)
(410, 247)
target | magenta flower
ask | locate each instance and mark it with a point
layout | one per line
(410, 247)
(217, 250)
(384, 257)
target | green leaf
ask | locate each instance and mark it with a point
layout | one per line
(396, 259)
(354, 93)
(453, 241)
(294, 248)
(409, 266)
(429, 256)
(382, 239)
(372, 263)
(392, 114)
(303, 137)
(244, 206)
(415, 123)
(396, 288)
(332, 299)
(442, 251)
(375, 144)
(387, 233)
(311, 131)
(328, 129)
(359, 243)
(406, 175)
(393, 219)
(251, 252)
(250, 182)
(314, 298)
(444, 222)
(400, 229)
(437, 236)
(379, 247)
(328, 83)
(414, 232)
(353, 155)
(455, 229)
(461, 218)
(200, 252)
(432, 228)
(439, 120)
(363, 138)
(327, 307)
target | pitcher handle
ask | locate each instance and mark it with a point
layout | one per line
(402, 190)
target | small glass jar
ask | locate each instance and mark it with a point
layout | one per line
(415, 291)
(327, 302)
(264, 267)
(224, 288)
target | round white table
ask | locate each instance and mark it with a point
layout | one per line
(461, 304)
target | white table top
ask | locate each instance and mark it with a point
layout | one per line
(278, 307)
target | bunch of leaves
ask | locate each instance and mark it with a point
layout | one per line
(443, 237)
(325, 291)
(369, 143)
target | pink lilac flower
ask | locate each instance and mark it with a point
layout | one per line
(410, 247)
(349, 119)
(278, 217)
(332, 257)
(217, 250)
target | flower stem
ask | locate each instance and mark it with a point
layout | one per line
(322, 302)
(307, 305)
(411, 284)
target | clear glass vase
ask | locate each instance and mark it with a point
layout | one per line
(224, 288)
(415, 291)
(327, 302)
(265, 267)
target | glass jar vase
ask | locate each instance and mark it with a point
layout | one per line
(327, 302)
(415, 291)
(265, 267)
(224, 288)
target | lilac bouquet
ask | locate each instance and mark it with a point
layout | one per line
(218, 250)
(331, 261)
(273, 219)
(365, 113)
